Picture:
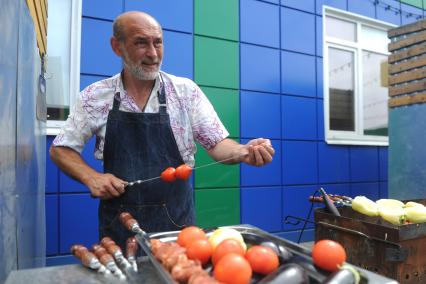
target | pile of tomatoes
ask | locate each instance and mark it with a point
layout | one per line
(231, 262)
(171, 174)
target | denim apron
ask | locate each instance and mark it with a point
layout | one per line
(141, 146)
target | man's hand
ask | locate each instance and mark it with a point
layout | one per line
(105, 186)
(257, 152)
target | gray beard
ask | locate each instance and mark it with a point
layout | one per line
(139, 73)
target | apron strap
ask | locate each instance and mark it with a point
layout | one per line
(162, 97)
(117, 101)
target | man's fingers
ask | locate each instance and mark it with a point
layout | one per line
(266, 155)
(119, 186)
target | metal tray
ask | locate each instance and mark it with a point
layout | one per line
(252, 236)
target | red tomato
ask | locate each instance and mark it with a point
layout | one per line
(190, 234)
(328, 255)
(168, 174)
(233, 269)
(225, 247)
(262, 259)
(199, 249)
(183, 172)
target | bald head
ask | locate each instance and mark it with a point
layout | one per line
(127, 19)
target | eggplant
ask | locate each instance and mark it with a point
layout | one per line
(283, 253)
(289, 274)
(343, 276)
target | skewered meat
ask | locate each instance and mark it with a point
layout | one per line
(172, 256)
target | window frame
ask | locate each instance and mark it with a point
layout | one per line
(350, 137)
(53, 126)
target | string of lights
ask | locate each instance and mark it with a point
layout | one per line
(396, 10)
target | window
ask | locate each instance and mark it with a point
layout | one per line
(63, 60)
(355, 98)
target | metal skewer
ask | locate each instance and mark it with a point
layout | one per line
(139, 181)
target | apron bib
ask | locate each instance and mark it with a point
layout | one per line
(141, 146)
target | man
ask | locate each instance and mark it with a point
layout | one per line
(145, 120)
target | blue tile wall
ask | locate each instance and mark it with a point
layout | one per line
(296, 203)
(265, 32)
(174, 15)
(178, 50)
(67, 184)
(78, 221)
(339, 4)
(299, 118)
(307, 235)
(264, 176)
(52, 218)
(364, 164)
(362, 7)
(281, 98)
(319, 76)
(260, 68)
(299, 162)
(411, 14)
(97, 57)
(320, 119)
(261, 207)
(86, 80)
(383, 163)
(319, 37)
(98, 9)
(265, 106)
(369, 190)
(333, 163)
(306, 5)
(384, 192)
(298, 76)
(384, 13)
(291, 38)
(61, 260)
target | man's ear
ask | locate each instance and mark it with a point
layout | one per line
(115, 44)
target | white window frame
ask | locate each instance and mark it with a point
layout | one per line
(53, 126)
(350, 137)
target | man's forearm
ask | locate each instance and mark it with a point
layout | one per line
(228, 151)
(71, 163)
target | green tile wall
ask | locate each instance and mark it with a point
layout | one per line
(217, 175)
(227, 105)
(417, 3)
(216, 62)
(217, 18)
(217, 207)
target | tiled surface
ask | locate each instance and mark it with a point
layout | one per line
(178, 51)
(264, 80)
(290, 34)
(217, 18)
(78, 221)
(260, 68)
(174, 15)
(260, 115)
(226, 103)
(217, 175)
(265, 32)
(217, 207)
(220, 67)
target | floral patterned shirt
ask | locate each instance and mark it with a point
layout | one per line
(192, 117)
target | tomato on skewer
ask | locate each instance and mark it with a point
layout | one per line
(183, 172)
(169, 174)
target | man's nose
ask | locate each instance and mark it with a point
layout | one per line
(151, 50)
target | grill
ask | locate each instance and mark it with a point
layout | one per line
(398, 252)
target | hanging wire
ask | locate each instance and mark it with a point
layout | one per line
(396, 10)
